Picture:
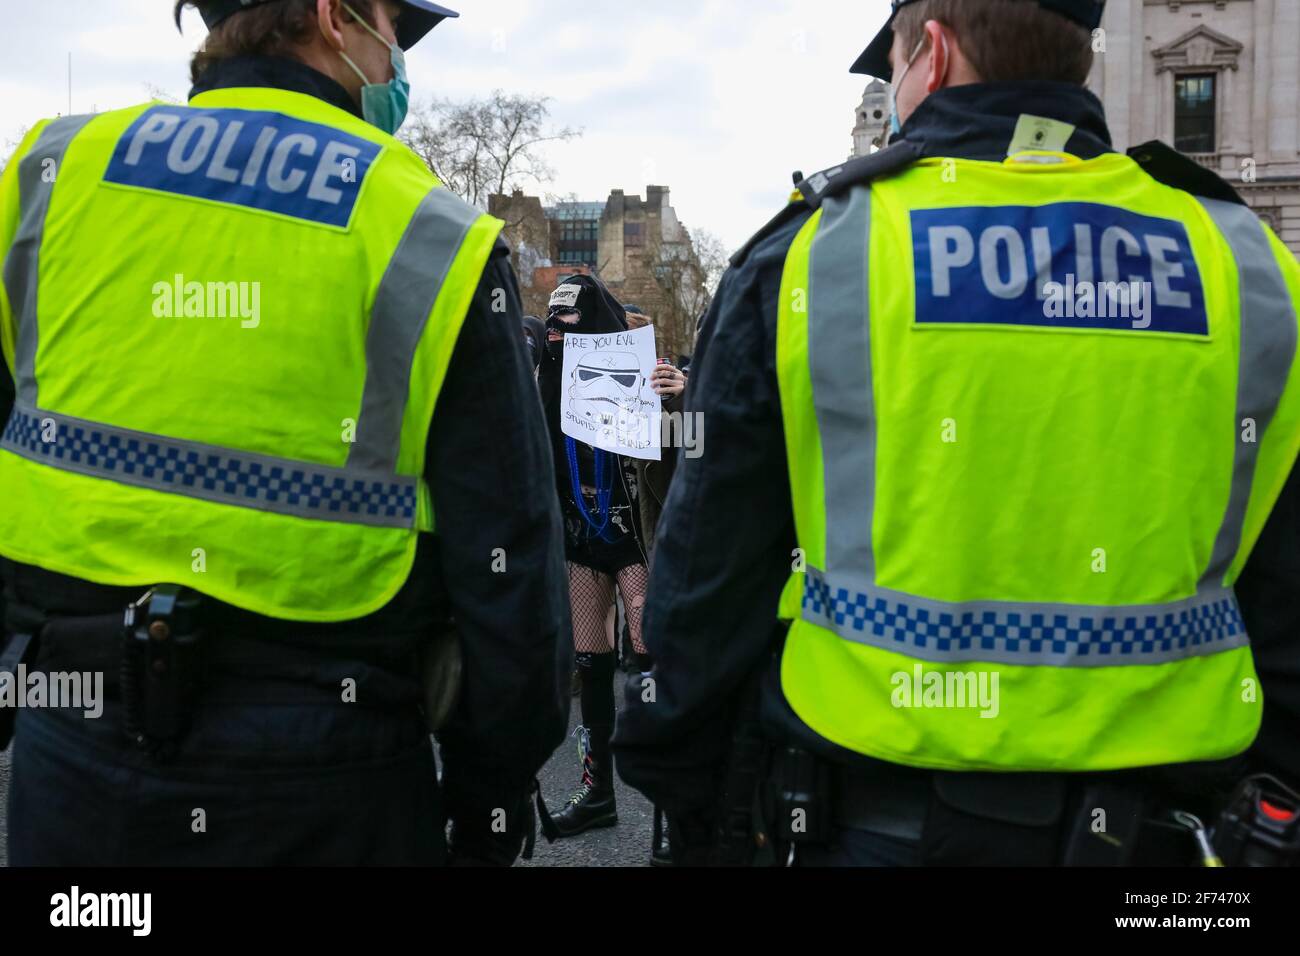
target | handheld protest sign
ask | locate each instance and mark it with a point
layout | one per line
(607, 400)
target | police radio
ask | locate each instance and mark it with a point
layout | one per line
(161, 669)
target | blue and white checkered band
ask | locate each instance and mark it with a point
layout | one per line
(222, 475)
(1057, 635)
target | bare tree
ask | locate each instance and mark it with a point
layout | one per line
(11, 145)
(157, 92)
(714, 260)
(687, 272)
(481, 147)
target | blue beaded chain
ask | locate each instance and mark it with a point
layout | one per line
(604, 487)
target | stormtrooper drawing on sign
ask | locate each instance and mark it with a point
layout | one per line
(603, 386)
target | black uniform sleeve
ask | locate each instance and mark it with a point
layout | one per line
(724, 549)
(1267, 591)
(502, 554)
(7, 392)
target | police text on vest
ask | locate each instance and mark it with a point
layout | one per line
(1064, 266)
(261, 160)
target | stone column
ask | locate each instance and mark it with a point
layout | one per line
(1139, 75)
(1258, 51)
(1232, 109)
(1116, 79)
(1283, 123)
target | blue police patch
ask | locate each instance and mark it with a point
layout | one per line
(1065, 265)
(250, 158)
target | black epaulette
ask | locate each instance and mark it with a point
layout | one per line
(829, 182)
(1166, 165)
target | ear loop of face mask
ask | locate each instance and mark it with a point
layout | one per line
(895, 124)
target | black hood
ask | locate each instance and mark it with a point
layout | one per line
(599, 310)
(535, 330)
(601, 313)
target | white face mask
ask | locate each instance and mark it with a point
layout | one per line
(895, 124)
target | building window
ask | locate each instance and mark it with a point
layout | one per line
(1194, 102)
(576, 241)
(580, 231)
(632, 234)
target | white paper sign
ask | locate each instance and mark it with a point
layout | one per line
(606, 400)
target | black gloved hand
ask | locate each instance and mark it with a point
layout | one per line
(692, 838)
(477, 837)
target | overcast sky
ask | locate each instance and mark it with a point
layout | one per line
(718, 99)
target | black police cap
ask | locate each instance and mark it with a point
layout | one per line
(875, 59)
(419, 17)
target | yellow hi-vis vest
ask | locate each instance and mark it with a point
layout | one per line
(1036, 414)
(228, 324)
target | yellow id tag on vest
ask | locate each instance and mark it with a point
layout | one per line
(1039, 133)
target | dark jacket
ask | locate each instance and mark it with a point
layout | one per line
(653, 479)
(489, 468)
(723, 553)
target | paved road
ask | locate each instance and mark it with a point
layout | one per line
(627, 844)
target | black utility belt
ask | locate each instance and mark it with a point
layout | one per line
(1032, 819)
(151, 654)
(973, 819)
(156, 660)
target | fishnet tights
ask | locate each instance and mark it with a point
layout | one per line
(591, 595)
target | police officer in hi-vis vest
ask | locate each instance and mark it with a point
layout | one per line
(267, 419)
(996, 416)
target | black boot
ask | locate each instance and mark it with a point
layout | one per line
(660, 854)
(592, 806)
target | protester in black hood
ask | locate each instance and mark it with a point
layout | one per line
(603, 545)
(535, 337)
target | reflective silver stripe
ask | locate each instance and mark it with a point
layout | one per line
(1268, 346)
(403, 304)
(22, 266)
(997, 632)
(839, 356)
(223, 475)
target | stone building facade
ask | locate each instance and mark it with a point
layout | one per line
(869, 131)
(638, 247)
(1217, 79)
(639, 240)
